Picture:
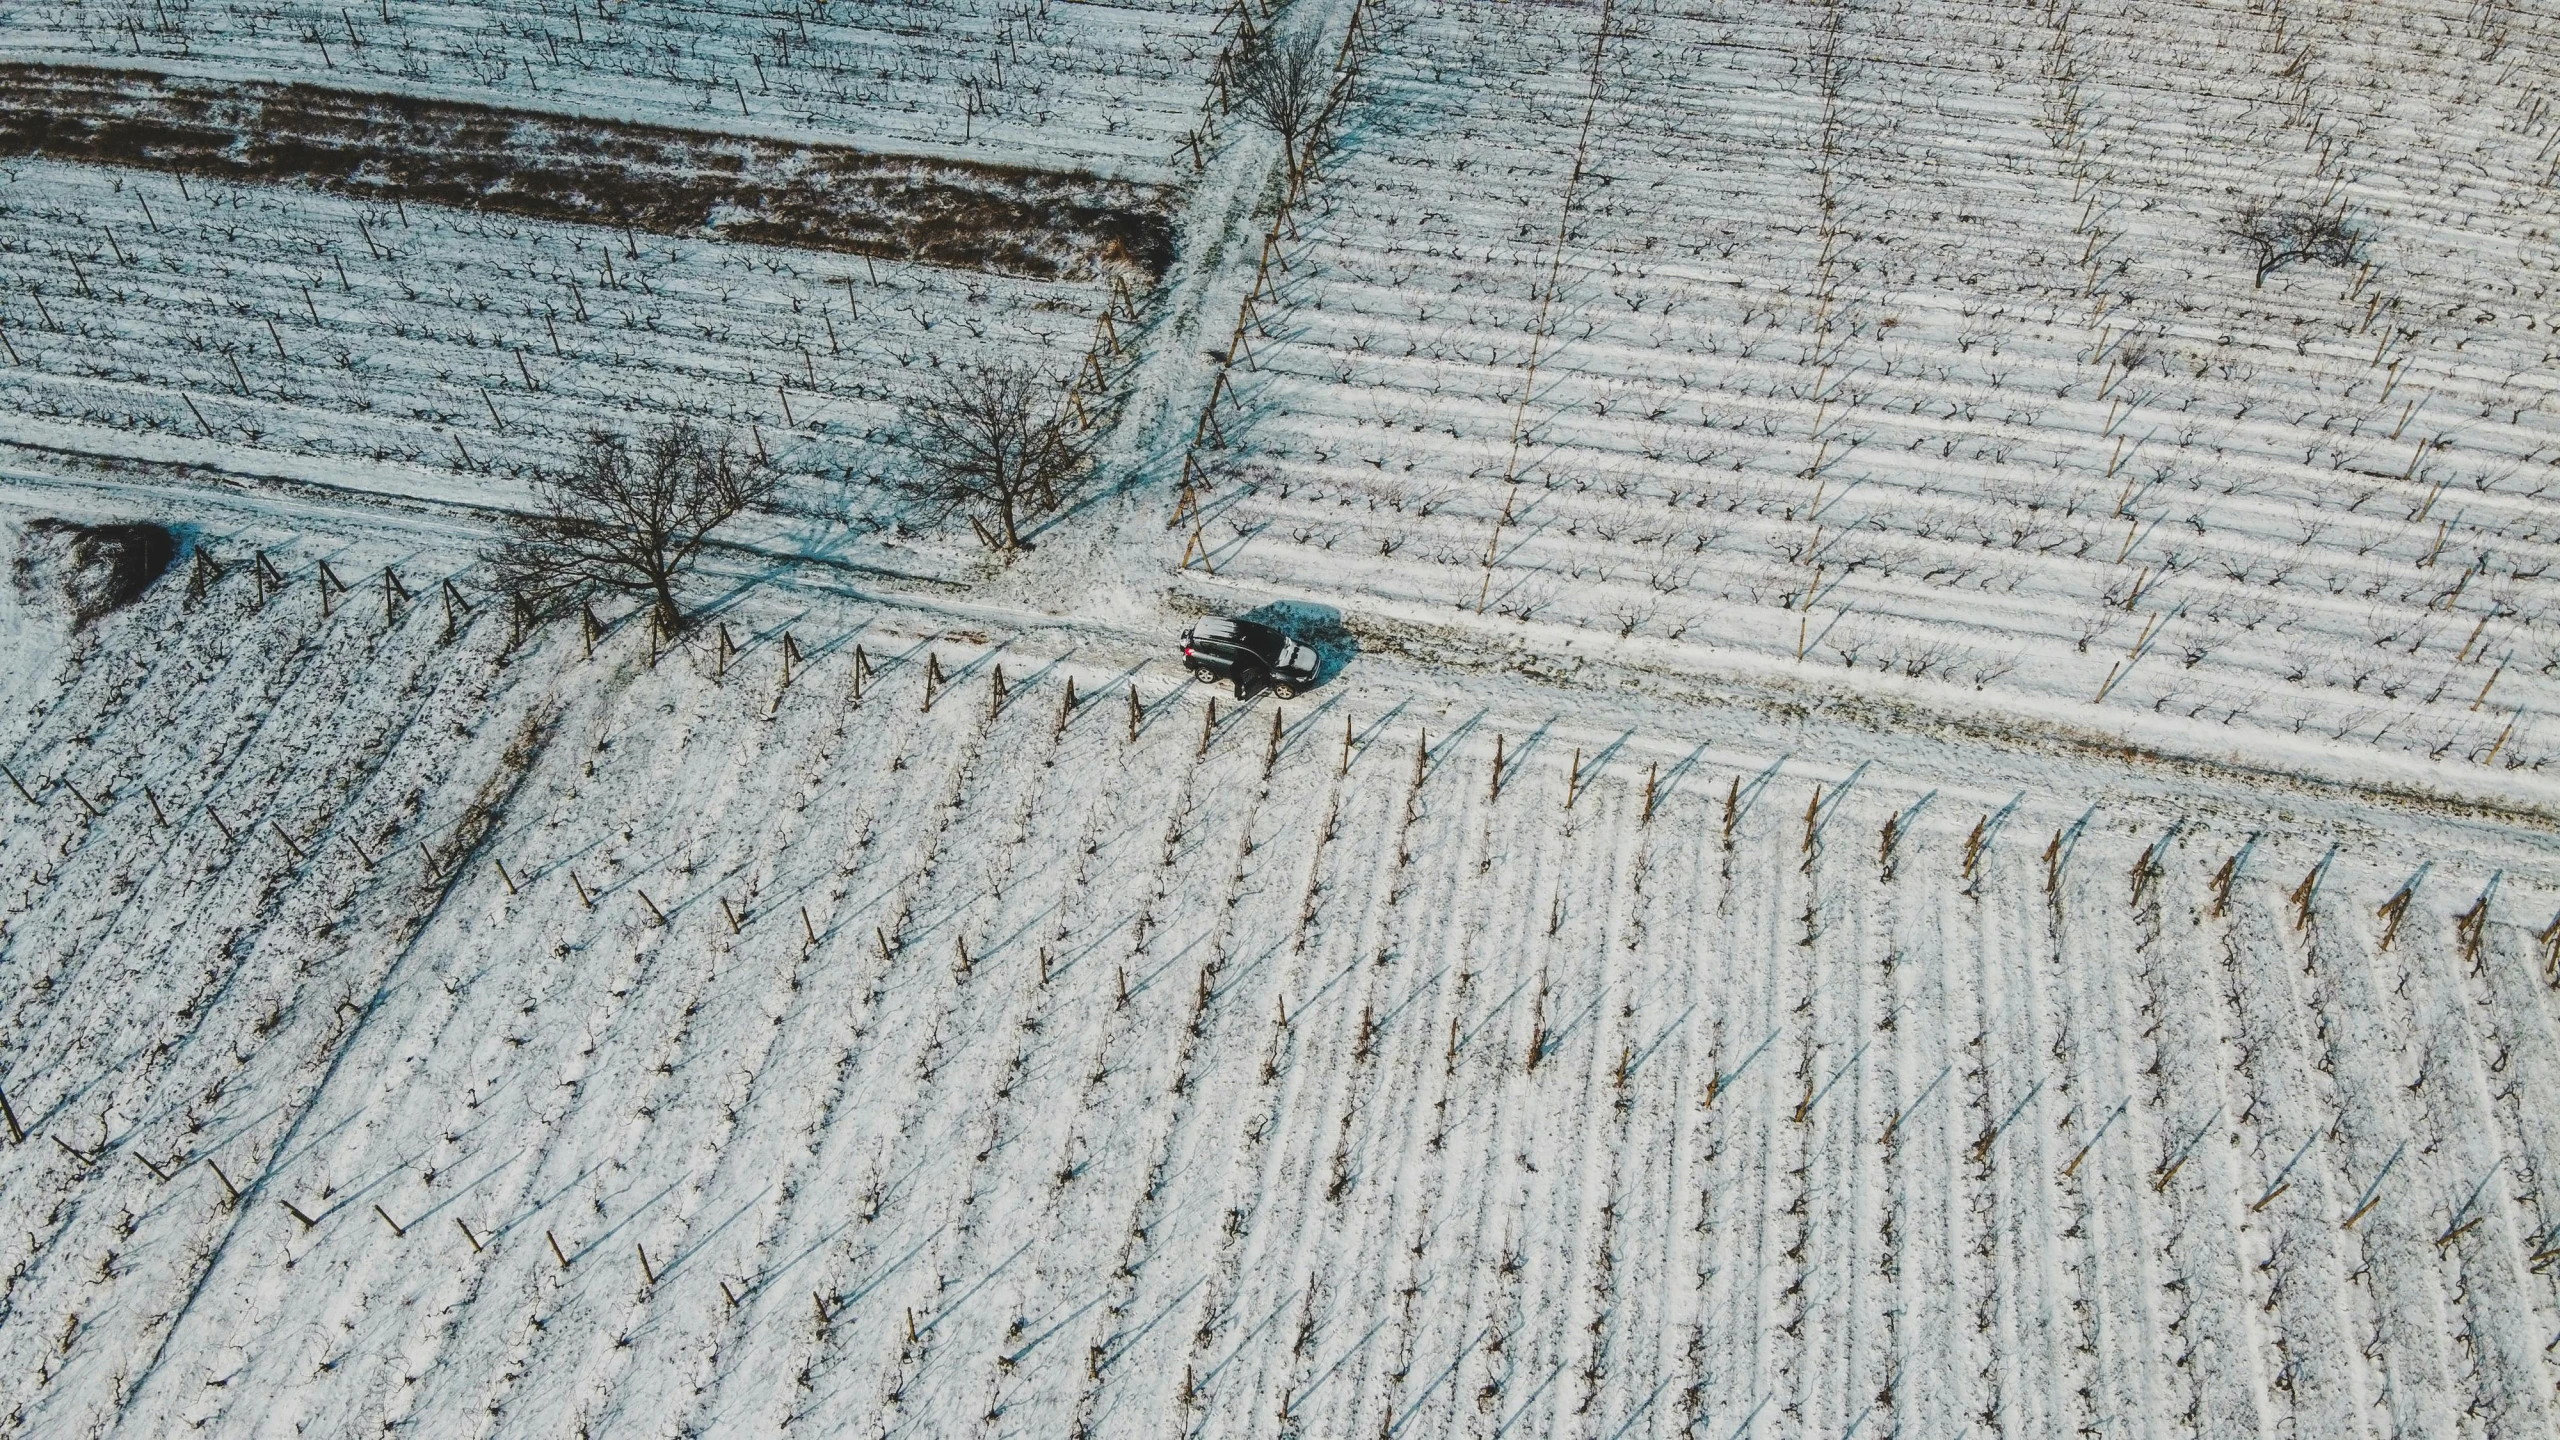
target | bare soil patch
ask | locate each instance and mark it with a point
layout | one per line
(99, 569)
(1013, 221)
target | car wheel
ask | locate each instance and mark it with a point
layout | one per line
(1284, 689)
(1200, 674)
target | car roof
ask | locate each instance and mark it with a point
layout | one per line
(1243, 632)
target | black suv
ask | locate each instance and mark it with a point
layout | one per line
(1252, 656)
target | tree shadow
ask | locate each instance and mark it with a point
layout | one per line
(1319, 627)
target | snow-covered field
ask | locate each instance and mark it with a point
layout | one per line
(419, 350)
(1931, 813)
(1355, 1096)
(1909, 341)
(1111, 88)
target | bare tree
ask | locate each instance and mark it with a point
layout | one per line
(2278, 234)
(630, 517)
(1284, 83)
(995, 438)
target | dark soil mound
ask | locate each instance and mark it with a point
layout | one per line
(103, 568)
(1011, 220)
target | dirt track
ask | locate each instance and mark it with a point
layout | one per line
(1010, 221)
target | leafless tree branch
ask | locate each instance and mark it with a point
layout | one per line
(996, 439)
(2277, 234)
(630, 518)
(1284, 84)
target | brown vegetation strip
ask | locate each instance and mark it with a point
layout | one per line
(1041, 224)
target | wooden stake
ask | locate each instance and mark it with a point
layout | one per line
(1495, 793)
(227, 1187)
(556, 1252)
(2390, 911)
(2302, 895)
(646, 1271)
(396, 1228)
(2482, 697)
(1133, 714)
(654, 912)
(83, 799)
(810, 930)
(17, 1133)
(2501, 743)
(1652, 775)
(1271, 752)
(503, 875)
(202, 572)
(731, 912)
(295, 1211)
(467, 1235)
(2471, 926)
(330, 586)
(585, 900)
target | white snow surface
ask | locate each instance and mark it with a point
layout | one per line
(1808, 1146)
(1911, 341)
(425, 352)
(1985, 874)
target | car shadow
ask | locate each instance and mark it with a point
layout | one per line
(1319, 627)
